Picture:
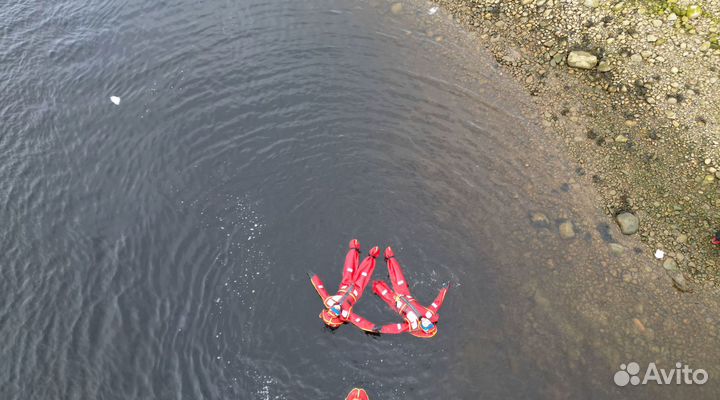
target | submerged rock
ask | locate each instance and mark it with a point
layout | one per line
(679, 280)
(628, 223)
(396, 8)
(582, 60)
(670, 265)
(539, 220)
(566, 230)
(617, 248)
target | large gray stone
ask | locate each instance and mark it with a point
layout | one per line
(628, 223)
(582, 60)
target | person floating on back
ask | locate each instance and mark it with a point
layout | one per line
(355, 278)
(419, 321)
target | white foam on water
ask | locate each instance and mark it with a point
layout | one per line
(245, 260)
(115, 100)
(266, 385)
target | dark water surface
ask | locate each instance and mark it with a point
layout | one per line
(157, 249)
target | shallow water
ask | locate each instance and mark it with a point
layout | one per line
(158, 248)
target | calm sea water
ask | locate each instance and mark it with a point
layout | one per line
(157, 249)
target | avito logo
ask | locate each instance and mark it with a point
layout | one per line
(680, 375)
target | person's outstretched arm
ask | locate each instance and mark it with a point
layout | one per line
(319, 286)
(437, 303)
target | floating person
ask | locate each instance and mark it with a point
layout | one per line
(355, 278)
(357, 394)
(419, 321)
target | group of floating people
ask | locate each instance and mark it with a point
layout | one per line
(419, 321)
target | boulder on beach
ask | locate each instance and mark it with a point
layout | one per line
(582, 60)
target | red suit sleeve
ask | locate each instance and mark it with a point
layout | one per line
(319, 286)
(351, 263)
(395, 329)
(381, 289)
(437, 304)
(362, 323)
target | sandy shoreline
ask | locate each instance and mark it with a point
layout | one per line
(642, 123)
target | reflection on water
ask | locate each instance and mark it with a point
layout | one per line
(158, 248)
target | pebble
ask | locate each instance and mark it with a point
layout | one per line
(616, 248)
(693, 11)
(670, 264)
(651, 38)
(539, 220)
(678, 280)
(621, 139)
(604, 66)
(566, 230)
(582, 60)
(636, 58)
(639, 325)
(628, 223)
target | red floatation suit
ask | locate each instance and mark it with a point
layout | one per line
(400, 300)
(357, 394)
(355, 279)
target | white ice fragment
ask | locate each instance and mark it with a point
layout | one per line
(659, 254)
(433, 10)
(115, 100)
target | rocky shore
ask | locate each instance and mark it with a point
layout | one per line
(633, 90)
